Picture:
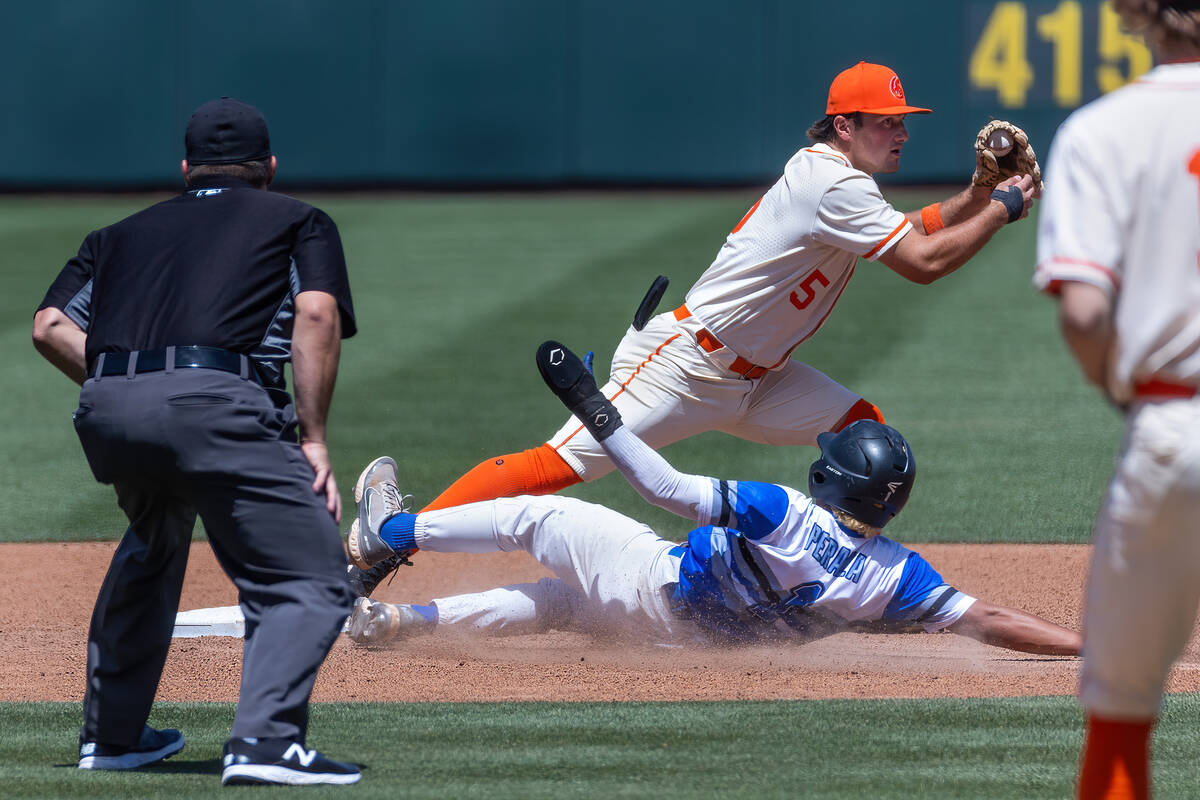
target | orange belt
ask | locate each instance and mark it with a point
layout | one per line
(710, 343)
(1157, 388)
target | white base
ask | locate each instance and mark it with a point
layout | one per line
(219, 621)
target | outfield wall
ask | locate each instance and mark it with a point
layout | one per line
(528, 91)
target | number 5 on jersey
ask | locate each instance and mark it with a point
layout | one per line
(807, 286)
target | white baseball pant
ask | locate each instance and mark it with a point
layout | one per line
(1144, 583)
(610, 569)
(667, 388)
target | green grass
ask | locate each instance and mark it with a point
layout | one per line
(990, 749)
(454, 293)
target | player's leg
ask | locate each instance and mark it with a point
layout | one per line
(613, 562)
(131, 625)
(1142, 595)
(277, 542)
(539, 470)
(505, 611)
(510, 610)
(119, 424)
(791, 406)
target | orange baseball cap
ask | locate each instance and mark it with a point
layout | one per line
(872, 88)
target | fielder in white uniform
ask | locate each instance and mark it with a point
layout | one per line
(1119, 245)
(767, 562)
(722, 360)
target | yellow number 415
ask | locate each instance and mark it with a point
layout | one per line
(999, 60)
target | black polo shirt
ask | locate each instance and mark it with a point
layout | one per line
(219, 265)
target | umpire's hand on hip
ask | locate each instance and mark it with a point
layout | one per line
(317, 454)
(316, 347)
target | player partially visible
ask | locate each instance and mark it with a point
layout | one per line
(722, 361)
(1119, 245)
(767, 562)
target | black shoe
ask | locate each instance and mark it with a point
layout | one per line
(283, 762)
(568, 378)
(153, 745)
(364, 581)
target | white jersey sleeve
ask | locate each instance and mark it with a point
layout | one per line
(1079, 234)
(854, 216)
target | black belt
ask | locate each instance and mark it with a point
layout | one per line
(190, 357)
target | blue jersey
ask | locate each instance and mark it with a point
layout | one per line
(769, 558)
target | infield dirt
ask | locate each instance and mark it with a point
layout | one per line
(47, 592)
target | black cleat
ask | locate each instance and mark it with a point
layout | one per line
(153, 745)
(281, 762)
(364, 581)
(576, 387)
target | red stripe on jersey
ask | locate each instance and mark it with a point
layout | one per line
(1108, 273)
(830, 152)
(1054, 287)
(886, 239)
(749, 214)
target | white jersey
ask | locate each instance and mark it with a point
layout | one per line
(1122, 170)
(782, 269)
(771, 557)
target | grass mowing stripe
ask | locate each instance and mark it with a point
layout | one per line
(990, 749)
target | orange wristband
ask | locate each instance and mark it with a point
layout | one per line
(931, 218)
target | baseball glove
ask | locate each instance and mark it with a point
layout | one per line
(991, 169)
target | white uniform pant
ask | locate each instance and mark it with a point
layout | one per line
(610, 569)
(667, 388)
(1144, 583)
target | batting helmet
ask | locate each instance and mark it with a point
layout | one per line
(866, 470)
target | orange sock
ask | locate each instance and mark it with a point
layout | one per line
(1116, 760)
(538, 471)
(860, 410)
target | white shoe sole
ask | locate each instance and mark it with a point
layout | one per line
(132, 760)
(285, 776)
(353, 548)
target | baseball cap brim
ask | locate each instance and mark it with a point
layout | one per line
(897, 110)
(885, 110)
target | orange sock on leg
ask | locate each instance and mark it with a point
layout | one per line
(860, 410)
(1116, 760)
(538, 471)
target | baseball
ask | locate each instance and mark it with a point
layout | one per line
(999, 143)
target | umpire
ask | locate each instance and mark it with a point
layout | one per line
(177, 322)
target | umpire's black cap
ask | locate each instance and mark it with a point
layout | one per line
(226, 131)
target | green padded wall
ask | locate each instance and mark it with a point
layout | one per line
(541, 92)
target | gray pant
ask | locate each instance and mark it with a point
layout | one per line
(188, 441)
